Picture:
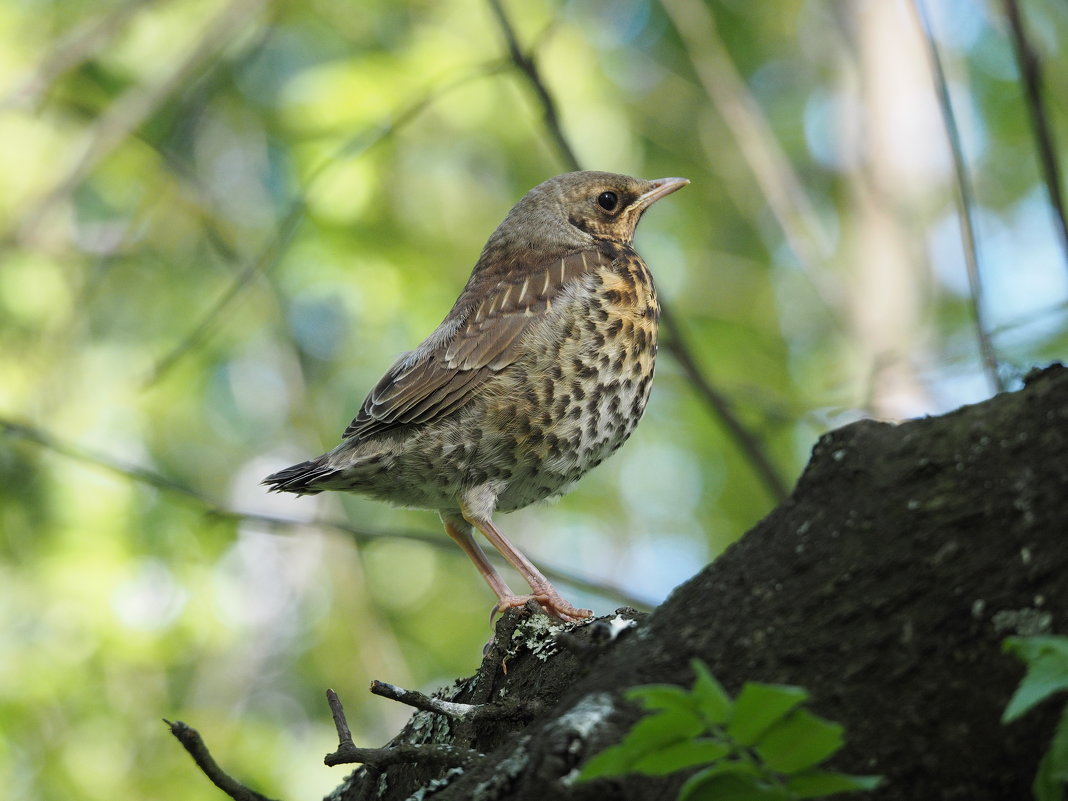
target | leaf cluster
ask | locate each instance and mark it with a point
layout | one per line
(761, 746)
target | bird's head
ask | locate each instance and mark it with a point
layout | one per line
(574, 210)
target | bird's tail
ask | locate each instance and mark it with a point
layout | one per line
(300, 477)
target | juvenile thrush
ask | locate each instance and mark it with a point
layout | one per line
(539, 372)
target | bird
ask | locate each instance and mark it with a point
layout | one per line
(540, 371)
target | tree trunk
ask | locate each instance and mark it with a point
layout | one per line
(884, 586)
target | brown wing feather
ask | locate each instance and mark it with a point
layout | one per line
(490, 338)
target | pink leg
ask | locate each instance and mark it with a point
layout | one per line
(460, 531)
(541, 590)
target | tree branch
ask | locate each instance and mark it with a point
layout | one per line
(506, 710)
(348, 752)
(885, 587)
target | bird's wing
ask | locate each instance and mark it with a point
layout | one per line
(423, 386)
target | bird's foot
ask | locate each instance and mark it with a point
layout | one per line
(550, 602)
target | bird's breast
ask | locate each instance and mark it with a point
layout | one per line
(584, 380)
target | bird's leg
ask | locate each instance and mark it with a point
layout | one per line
(541, 590)
(460, 531)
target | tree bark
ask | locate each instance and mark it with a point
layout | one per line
(884, 586)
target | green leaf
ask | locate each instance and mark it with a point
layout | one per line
(1047, 671)
(730, 781)
(712, 700)
(758, 706)
(818, 783)
(612, 761)
(679, 756)
(662, 728)
(661, 696)
(651, 733)
(799, 741)
(1053, 768)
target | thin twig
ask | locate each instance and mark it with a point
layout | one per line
(344, 733)
(965, 202)
(1031, 72)
(449, 709)
(348, 752)
(505, 710)
(746, 440)
(192, 742)
(676, 345)
(527, 66)
(210, 507)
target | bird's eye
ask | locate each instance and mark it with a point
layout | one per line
(607, 201)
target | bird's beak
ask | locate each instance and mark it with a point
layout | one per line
(660, 187)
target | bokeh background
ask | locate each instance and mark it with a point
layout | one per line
(221, 220)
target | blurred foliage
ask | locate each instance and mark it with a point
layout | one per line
(222, 219)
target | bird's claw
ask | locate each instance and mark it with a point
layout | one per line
(551, 604)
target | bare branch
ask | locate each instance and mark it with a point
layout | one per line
(192, 742)
(447, 755)
(348, 752)
(1031, 72)
(506, 710)
(449, 709)
(965, 202)
(344, 733)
